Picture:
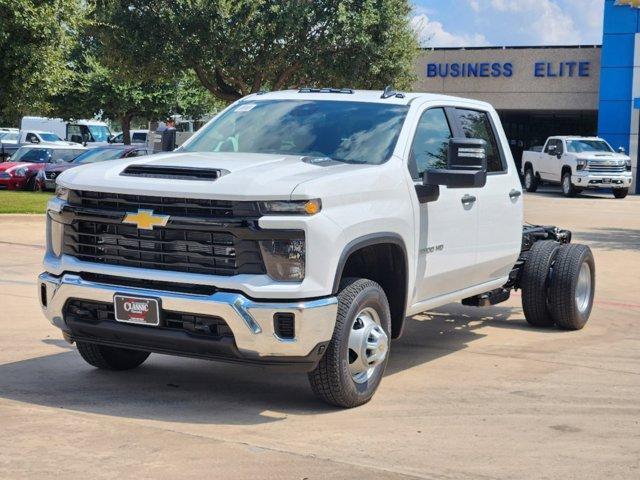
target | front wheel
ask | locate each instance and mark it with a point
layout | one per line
(568, 190)
(620, 192)
(530, 180)
(351, 370)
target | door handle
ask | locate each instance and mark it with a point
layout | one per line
(468, 200)
(514, 193)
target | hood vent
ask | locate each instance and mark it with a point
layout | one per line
(173, 173)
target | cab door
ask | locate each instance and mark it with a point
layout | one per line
(499, 204)
(448, 226)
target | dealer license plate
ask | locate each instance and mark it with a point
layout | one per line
(606, 180)
(138, 310)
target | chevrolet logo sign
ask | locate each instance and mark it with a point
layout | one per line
(631, 3)
(146, 220)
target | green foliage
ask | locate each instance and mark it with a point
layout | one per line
(35, 37)
(23, 202)
(236, 47)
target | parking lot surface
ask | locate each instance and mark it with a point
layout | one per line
(468, 393)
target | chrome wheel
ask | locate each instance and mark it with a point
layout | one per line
(566, 184)
(368, 345)
(583, 288)
(528, 180)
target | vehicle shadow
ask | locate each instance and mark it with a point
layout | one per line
(193, 391)
(611, 238)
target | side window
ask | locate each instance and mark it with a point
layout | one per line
(560, 149)
(430, 148)
(476, 124)
(139, 137)
(74, 134)
(550, 144)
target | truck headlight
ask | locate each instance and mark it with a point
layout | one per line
(284, 259)
(20, 172)
(628, 165)
(581, 164)
(62, 193)
(293, 207)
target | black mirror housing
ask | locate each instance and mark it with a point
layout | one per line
(466, 165)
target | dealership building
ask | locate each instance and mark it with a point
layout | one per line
(544, 91)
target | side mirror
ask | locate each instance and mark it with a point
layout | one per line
(621, 150)
(466, 165)
(110, 139)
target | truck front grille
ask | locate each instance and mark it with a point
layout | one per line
(172, 247)
(604, 167)
(95, 312)
(179, 207)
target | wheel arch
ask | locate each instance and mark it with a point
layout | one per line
(381, 257)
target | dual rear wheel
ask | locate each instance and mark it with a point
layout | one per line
(558, 285)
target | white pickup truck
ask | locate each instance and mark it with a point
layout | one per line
(577, 163)
(300, 229)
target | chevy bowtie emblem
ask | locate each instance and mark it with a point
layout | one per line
(146, 220)
(631, 3)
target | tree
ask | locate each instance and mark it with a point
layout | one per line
(35, 37)
(98, 90)
(237, 47)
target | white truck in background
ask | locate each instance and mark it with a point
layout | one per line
(91, 133)
(577, 163)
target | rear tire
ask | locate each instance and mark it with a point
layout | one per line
(568, 190)
(572, 287)
(349, 373)
(620, 192)
(535, 283)
(530, 180)
(111, 358)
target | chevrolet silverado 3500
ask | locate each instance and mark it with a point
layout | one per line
(577, 163)
(299, 229)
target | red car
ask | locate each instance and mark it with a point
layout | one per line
(19, 173)
(46, 178)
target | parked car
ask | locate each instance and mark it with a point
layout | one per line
(46, 177)
(19, 173)
(577, 163)
(89, 132)
(299, 229)
(137, 136)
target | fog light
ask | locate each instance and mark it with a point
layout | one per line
(284, 259)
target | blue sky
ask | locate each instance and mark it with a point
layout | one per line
(457, 23)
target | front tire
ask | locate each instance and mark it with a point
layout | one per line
(572, 286)
(620, 192)
(530, 180)
(349, 373)
(568, 190)
(111, 358)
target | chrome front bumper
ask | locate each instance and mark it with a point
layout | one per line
(588, 179)
(252, 322)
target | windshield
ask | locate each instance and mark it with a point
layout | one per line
(354, 132)
(31, 155)
(580, 146)
(99, 155)
(100, 133)
(50, 137)
(60, 155)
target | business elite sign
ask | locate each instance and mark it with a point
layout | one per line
(572, 68)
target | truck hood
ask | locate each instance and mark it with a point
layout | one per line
(245, 176)
(603, 156)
